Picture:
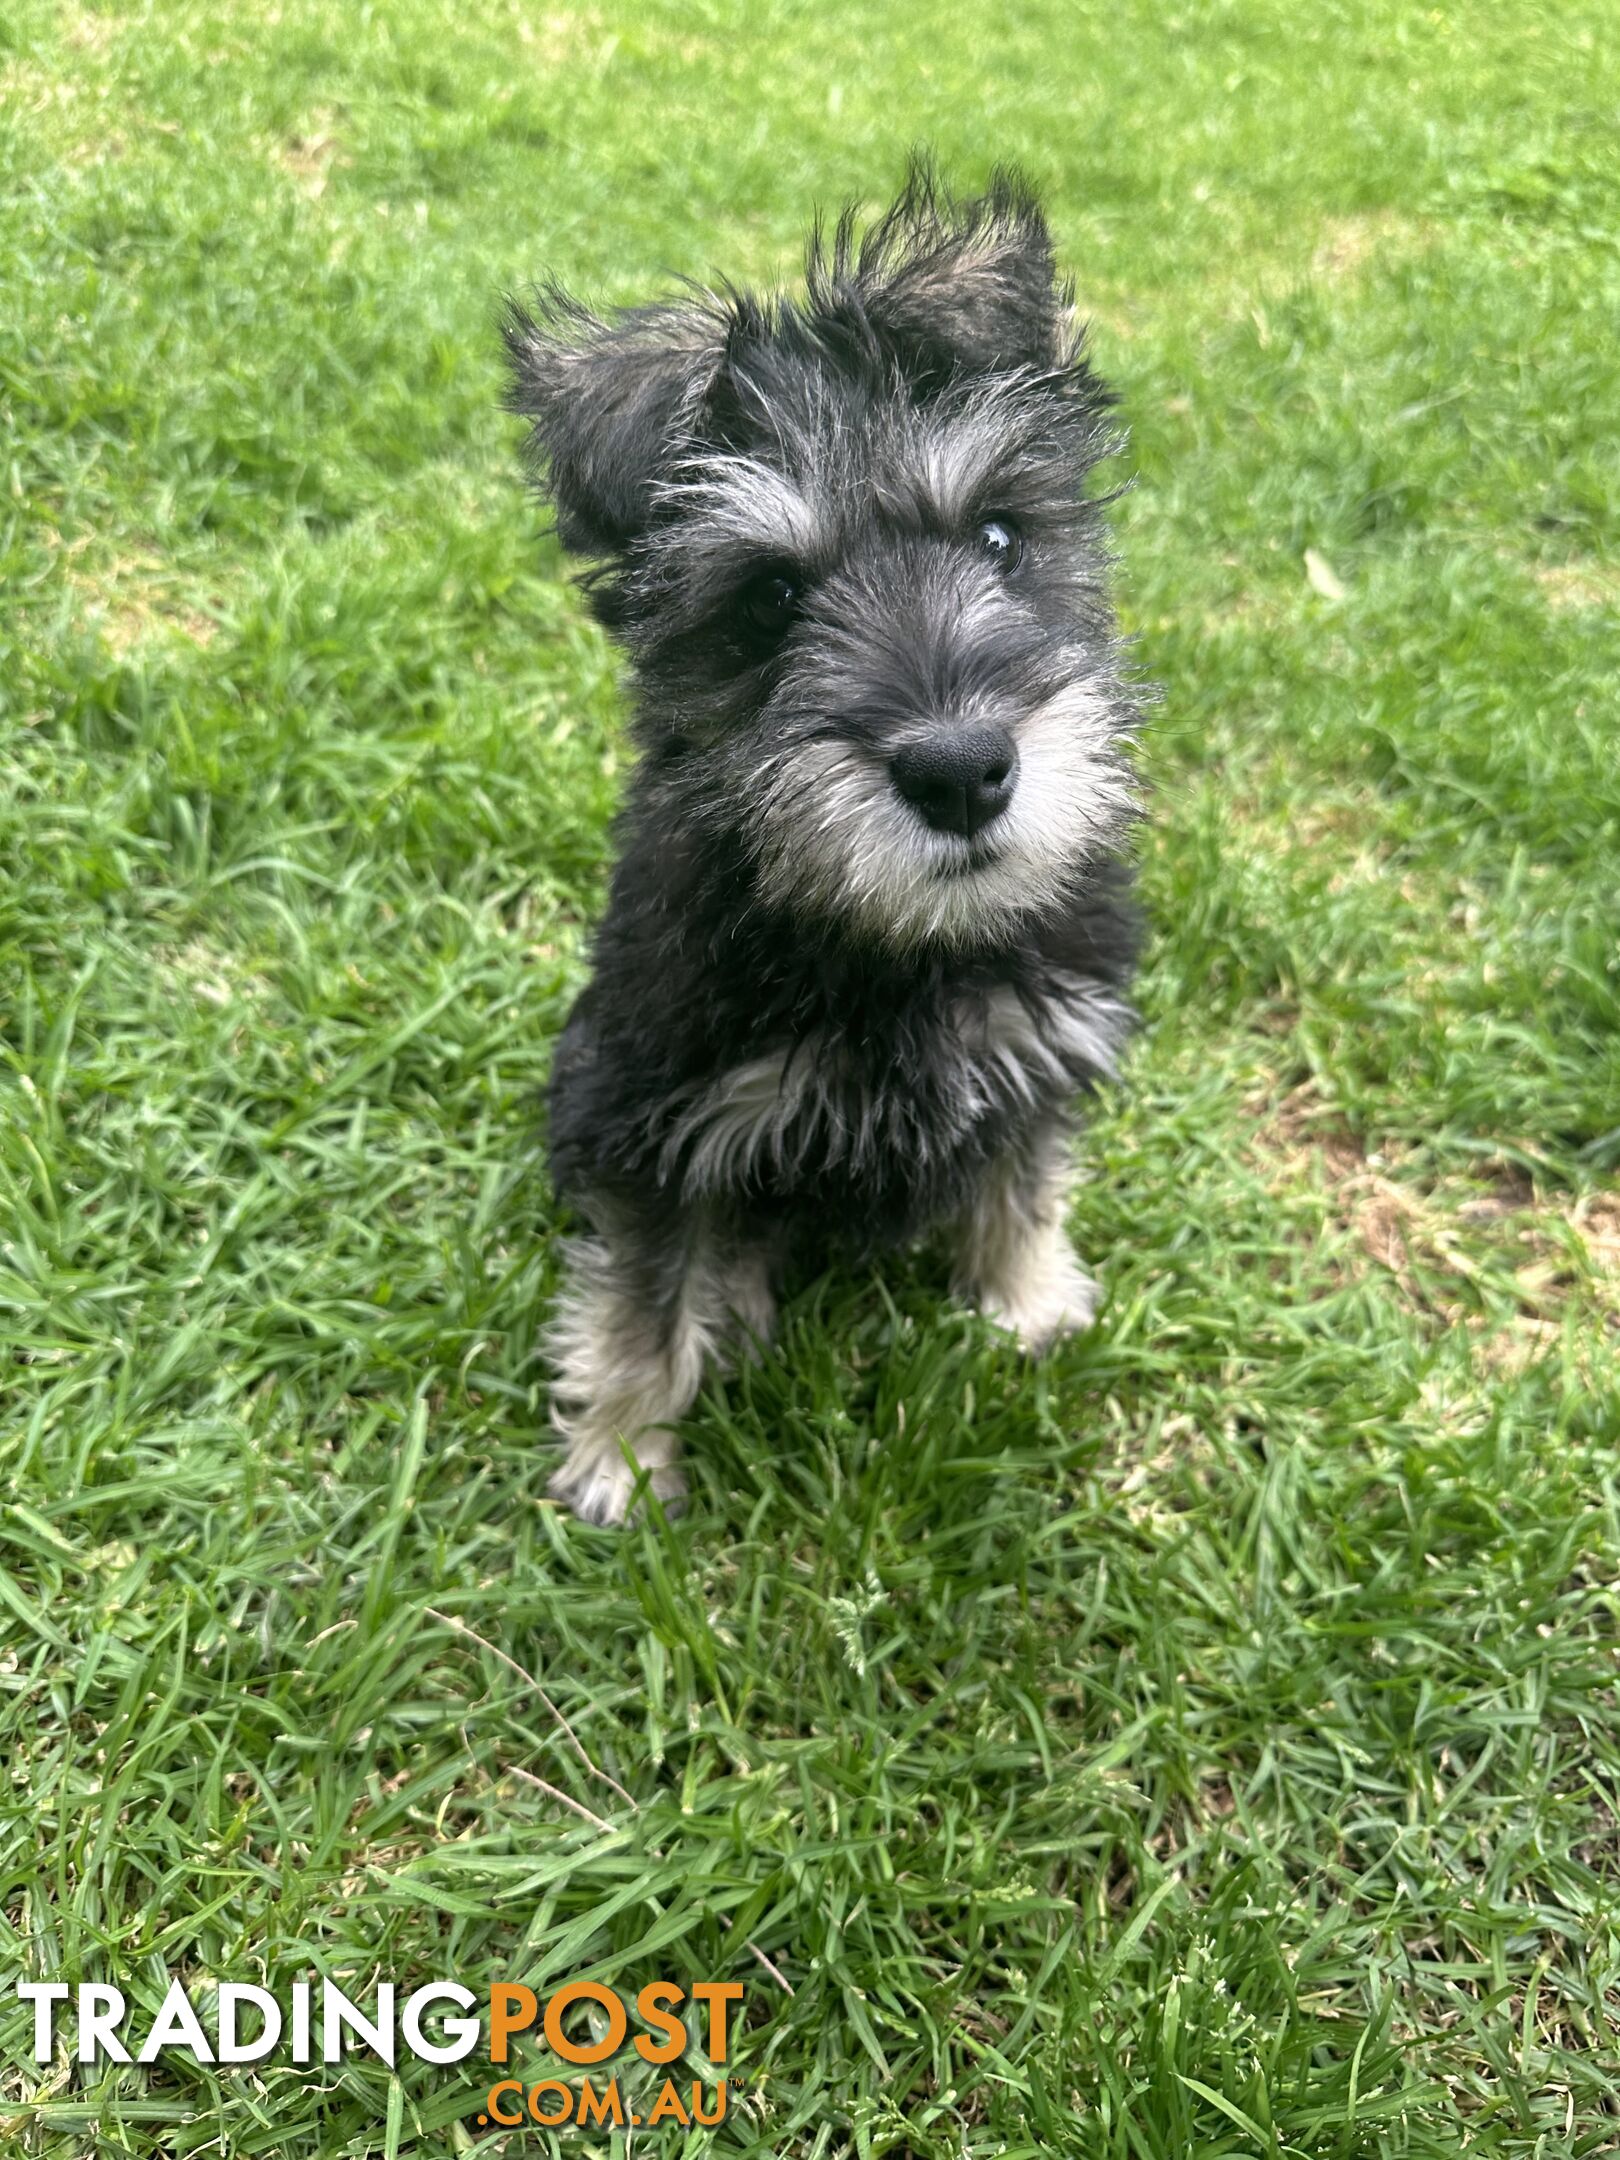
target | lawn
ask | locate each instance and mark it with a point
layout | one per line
(1206, 1743)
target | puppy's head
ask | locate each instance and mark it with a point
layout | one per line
(848, 544)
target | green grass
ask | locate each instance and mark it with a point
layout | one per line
(1205, 1744)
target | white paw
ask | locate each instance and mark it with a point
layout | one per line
(599, 1486)
(1061, 1301)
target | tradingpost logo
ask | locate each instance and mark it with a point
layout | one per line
(441, 2022)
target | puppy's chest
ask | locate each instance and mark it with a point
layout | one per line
(887, 1116)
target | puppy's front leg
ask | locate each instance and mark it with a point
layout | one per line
(1014, 1261)
(646, 1306)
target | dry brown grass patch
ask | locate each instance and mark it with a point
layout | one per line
(1348, 244)
(309, 157)
(133, 597)
(1570, 587)
(1542, 1251)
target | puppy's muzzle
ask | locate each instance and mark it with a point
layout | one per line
(959, 780)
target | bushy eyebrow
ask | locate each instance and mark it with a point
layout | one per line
(743, 509)
(722, 520)
(995, 449)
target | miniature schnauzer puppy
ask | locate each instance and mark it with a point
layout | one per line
(870, 928)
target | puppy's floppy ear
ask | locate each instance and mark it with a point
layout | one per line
(961, 288)
(606, 399)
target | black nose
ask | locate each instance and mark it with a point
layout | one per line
(960, 778)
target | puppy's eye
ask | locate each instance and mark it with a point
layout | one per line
(770, 603)
(1001, 544)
